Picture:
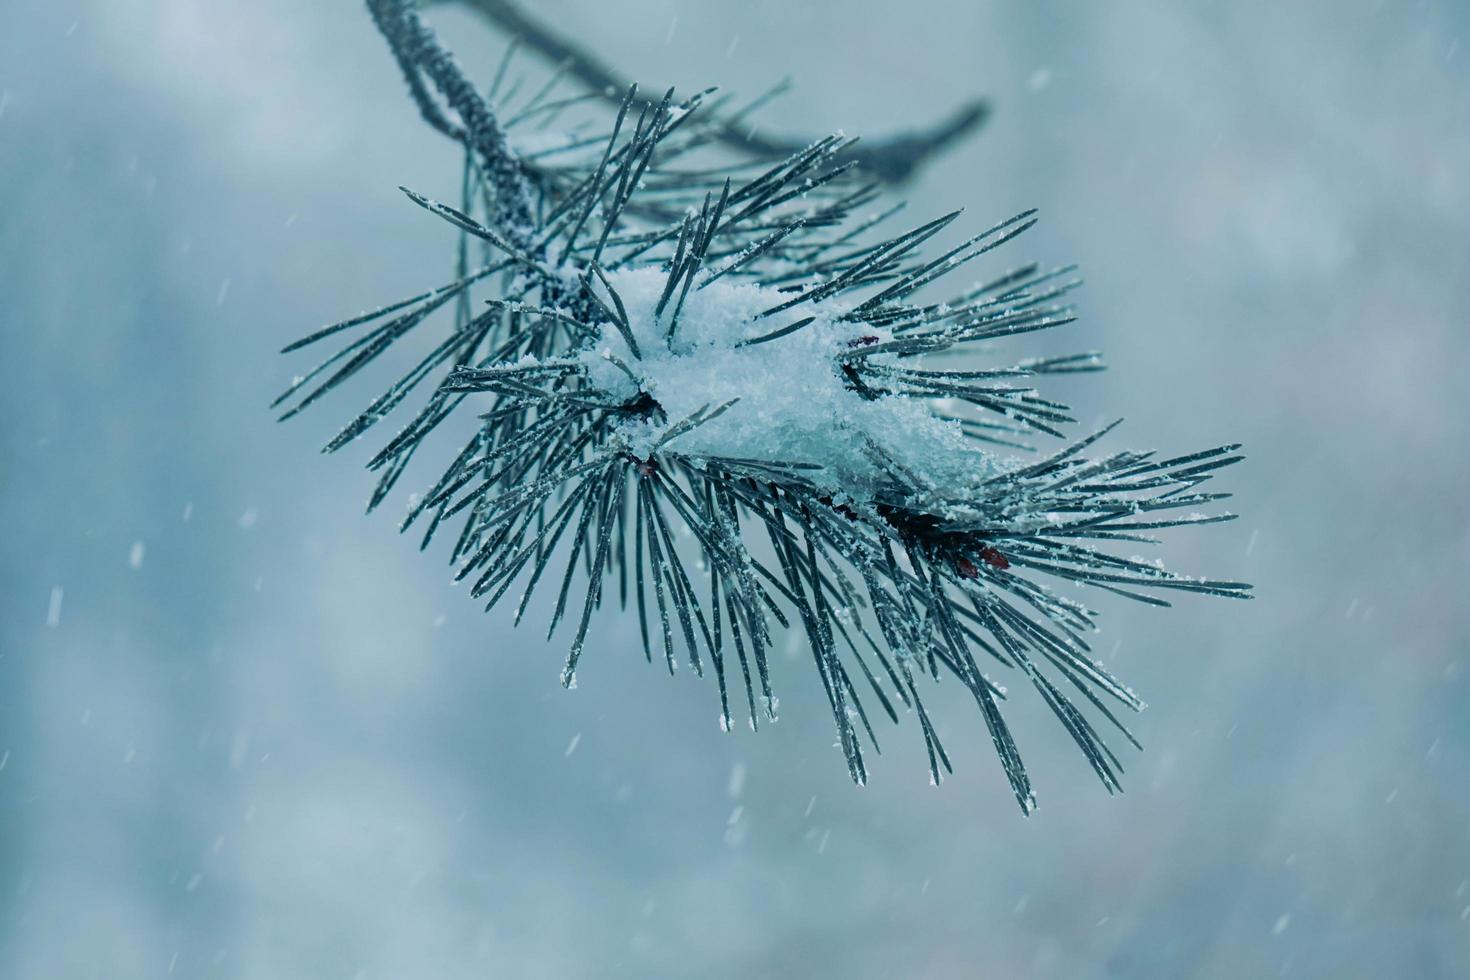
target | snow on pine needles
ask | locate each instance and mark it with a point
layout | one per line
(719, 399)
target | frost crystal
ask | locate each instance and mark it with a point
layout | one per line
(719, 397)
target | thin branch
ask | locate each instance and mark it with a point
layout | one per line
(894, 159)
(420, 55)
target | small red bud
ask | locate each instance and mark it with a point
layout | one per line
(994, 558)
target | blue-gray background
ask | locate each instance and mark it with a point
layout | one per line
(247, 732)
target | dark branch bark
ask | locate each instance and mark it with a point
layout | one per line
(894, 159)
(422, 57)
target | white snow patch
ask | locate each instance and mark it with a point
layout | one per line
(791, 401)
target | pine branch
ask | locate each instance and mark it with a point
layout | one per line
(716, 388)
(421, 57)
(894, 159)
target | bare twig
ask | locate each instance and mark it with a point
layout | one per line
(894, 159)
(421, 56)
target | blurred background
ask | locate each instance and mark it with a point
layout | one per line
(247, 732)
